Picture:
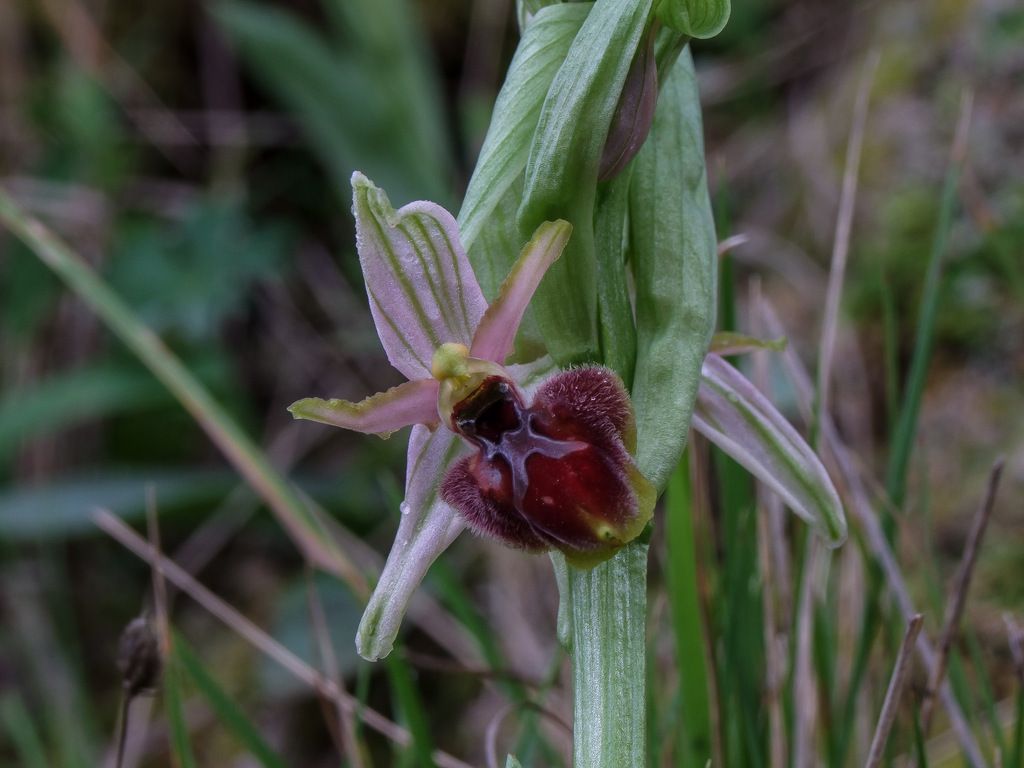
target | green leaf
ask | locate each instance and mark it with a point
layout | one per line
(674, 252)
(506, 149)
(62, 508)
(227, 711)
(187, 277)
(695, 18)
(367, 99)
(24, 738)
(66, 399)
(561, 174)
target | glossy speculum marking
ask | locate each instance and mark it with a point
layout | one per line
(554, 473)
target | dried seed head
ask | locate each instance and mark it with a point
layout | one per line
(138, 657)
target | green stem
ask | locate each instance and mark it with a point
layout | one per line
(609, 618)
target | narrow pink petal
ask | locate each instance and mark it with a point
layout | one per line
(497, 331)
(427, 528)
(422, 289)
(414, 402)
(734, 415)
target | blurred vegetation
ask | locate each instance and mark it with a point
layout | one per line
(198, 155)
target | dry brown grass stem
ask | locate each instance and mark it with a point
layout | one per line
(247, 630)
(958, 598)
(844, 228)
(894, 692)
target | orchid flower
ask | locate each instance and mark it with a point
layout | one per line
(534, 457)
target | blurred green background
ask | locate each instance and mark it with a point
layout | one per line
(198, 155)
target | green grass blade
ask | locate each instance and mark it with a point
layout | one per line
(362, 693)
(984, 688)
(687, 618)
(890, 329)
(240, 450)
(1018, 731)
(407, 698)
(920, 749)
(24, 738)
(906, 424)
(824, 653)
(69, 398)
(228, 712)
(181, 743)
(740, 606)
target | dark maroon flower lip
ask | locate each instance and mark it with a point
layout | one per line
(552, 474)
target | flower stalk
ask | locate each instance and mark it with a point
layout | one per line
(609, 651)
(615, 284)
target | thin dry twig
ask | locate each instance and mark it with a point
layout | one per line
(958, 599)
(895, 691)
(246, 629)
(844, 227)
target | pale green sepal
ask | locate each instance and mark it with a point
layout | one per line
(561, 175)
(427, 527)
(696, 18)
(674, 251)
(735, 416)
(512, 762)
